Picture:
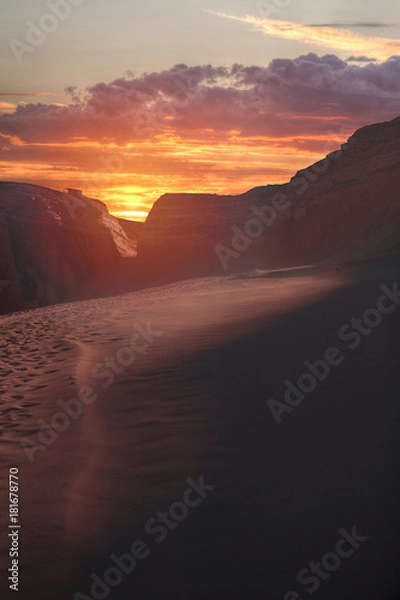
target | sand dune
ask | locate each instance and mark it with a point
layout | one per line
(176, 381)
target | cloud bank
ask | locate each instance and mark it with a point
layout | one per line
(286, 98)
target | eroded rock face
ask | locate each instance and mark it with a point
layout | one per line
(52, 244)
(343, 207)
(131, 228)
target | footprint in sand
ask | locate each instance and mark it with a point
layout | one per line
(8, 410)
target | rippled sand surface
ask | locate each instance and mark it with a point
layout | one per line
(178, 379)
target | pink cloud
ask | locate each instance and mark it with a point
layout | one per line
(305, 96)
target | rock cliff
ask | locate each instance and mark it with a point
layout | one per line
(344, 207)
(52, 244)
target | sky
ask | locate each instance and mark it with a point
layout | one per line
(131, 99)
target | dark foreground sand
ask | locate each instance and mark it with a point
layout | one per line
(208, 355)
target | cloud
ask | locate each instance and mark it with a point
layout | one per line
(367, 25)
(325, 36)
(15, 97)
(6, 107)
(361, 59)
(286, 98)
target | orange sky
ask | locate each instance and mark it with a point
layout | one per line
(130, 178)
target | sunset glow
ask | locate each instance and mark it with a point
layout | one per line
(128, 137)
(146, 170)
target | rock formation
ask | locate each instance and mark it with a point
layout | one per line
(131, 228)
(58, 246)
(52, 244)
(344, 207)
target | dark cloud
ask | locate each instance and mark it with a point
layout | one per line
(361, 59)
(368, 25)
(304, 96)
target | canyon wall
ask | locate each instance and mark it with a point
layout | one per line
(344, 207)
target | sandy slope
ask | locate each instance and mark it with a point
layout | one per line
(209, 353)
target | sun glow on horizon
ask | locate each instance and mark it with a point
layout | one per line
(130, 215)
(145, 171)
(222, 140)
